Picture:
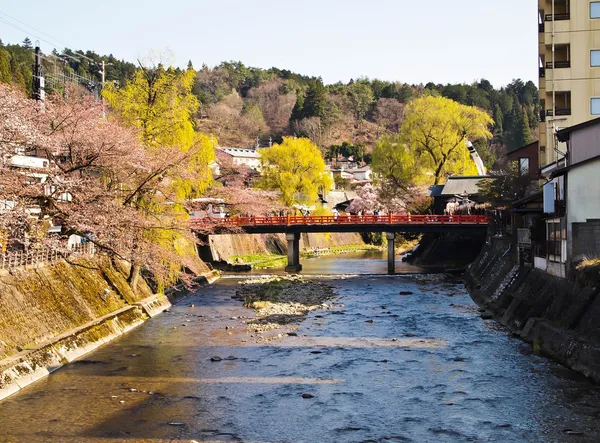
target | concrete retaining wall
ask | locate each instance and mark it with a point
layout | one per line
(222, 247)
(52, 315)
(558, 316)
(26, 367)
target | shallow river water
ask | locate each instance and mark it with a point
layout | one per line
(380, 367)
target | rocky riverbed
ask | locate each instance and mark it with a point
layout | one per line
(281, 303)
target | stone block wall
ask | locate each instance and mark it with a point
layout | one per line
(586, 240)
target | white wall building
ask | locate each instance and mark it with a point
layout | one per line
(361, 174)
(572, 200)
(247, 157)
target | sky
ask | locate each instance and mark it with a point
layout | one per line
(413, 41)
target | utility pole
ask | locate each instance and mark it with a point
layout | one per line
(102, 82)
(103, 72)
(38, 79)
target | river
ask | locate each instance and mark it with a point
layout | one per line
(376, 367)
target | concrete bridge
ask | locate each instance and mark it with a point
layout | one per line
(293, 226)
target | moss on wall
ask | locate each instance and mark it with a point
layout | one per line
(37, 304)
(224, 247)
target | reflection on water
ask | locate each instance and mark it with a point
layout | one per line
(356, 263)
(404, 358)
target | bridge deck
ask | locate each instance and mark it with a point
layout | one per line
(345, 223)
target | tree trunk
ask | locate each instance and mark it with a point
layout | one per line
(134, 275)
(438, 174)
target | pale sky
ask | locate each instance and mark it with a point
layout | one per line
(413, 41)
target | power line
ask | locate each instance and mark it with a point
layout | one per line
(25, 31)
(74, 54)
(31, 27)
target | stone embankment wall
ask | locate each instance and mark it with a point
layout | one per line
(559, 317)
(447, 251)
(51, 315)
(221, 247)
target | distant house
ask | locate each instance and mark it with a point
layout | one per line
(459, 190)
(526, 159)
(435, 192)
(343, 163)
(361, 174)
(462, 186)
(240, 156)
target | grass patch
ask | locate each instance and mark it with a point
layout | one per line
(338, 250)
(260, 261)
(589, 264)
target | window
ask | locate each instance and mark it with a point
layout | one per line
(595, 106)
(595, 57)
(556, 237)
(595, 10)
(524, 166)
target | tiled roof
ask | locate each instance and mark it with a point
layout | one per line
(239, 152)
(462, 185)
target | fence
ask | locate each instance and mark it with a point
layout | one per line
(15, 259)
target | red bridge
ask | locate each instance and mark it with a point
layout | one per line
(293, 226)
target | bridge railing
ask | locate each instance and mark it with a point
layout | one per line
(391, 219)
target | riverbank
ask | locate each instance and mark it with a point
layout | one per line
(557, 316)
(52, 315)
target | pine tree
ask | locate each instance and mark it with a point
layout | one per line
(315, 101)
(526, 136)
(499, 122)
(27, 43)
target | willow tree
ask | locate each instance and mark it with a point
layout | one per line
(159, 102)
(436, 131)
(296, 169)
(400, 175)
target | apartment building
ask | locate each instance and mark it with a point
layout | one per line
(569, 62)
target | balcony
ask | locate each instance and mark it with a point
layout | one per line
(557, 17)
(558, 64)
(549, 112)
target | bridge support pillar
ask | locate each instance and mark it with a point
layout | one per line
(293, 247)
(390, 236)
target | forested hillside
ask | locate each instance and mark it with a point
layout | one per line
(241, 104)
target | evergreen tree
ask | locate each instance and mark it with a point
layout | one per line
(316, 100)
(525, 132)
(5, 76)
(27, 43)
(298, 111)
(498, 122)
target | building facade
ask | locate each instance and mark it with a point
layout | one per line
(246, 157)
(569, 65)
(526, 159)
(572, 202)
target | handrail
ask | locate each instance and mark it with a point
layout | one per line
(391, 219)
